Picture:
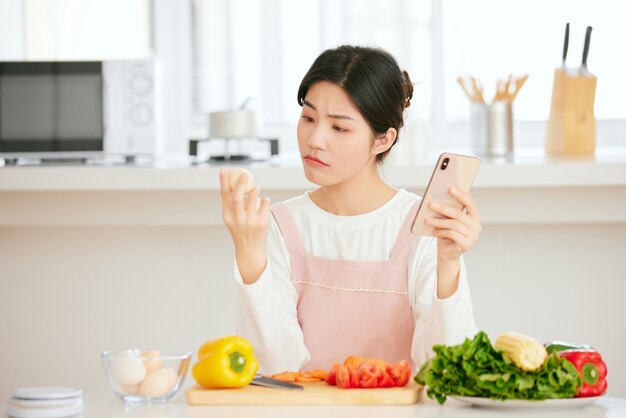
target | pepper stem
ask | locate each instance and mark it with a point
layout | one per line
(590, 373)
(237, 362)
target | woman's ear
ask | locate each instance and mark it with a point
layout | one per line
(384, 141)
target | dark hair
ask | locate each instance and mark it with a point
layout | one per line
(373, 80)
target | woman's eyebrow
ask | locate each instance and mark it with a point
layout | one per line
(309, 104)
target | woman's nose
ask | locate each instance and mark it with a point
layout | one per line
(317, 138)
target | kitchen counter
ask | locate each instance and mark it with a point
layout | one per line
(531, 189)
(107, 406)
(527, 170)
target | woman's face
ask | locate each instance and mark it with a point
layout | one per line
(335, 141)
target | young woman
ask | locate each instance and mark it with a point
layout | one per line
(336, 271)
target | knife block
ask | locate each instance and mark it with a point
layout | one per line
(572, 124)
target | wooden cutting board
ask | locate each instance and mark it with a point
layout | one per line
(319, 393)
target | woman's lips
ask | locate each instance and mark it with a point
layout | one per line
(314, 161)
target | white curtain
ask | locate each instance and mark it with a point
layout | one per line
(262, 48)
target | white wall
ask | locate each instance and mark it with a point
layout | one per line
(69, 292)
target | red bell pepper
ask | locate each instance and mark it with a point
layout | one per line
(591, 369)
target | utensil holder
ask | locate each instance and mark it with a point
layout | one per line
(491, 129)
(572, 124)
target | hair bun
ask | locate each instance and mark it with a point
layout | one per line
(408, 89)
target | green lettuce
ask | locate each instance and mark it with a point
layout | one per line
(475, 368)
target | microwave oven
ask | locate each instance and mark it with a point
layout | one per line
(52, 110)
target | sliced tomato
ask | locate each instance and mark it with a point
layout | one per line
(331, 378)
(343, 377)
(400, 373)
(369, 375)
(354, 377)
(386, 380)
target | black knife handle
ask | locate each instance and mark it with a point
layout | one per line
(586, 49)
(565, 43)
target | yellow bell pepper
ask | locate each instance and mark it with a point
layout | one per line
(227, 362)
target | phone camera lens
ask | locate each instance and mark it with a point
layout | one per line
(444, 163)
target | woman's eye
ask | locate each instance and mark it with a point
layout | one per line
(307, 118)
(339, 129)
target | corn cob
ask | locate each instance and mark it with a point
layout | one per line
(526, 352)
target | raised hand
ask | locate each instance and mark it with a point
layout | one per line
(246, 217)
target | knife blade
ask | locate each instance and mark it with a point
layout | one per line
(565, 43)
(586, 47)
(260, 380)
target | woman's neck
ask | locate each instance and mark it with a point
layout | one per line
(353, 197)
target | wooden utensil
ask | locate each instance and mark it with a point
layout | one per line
(519, 83)
(465, 88)
(478, 90)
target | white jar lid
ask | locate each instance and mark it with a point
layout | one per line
(47, 393)
(45, 402)
(16, 411)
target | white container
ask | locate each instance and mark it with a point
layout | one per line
(491, 129)
(233, 124)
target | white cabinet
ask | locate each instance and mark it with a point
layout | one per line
(11, 30)
(59, 30)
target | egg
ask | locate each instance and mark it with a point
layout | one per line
(152, 360)
(233, 178)
(157, 383)
(128, 371)
(130, 389)
(171, 373)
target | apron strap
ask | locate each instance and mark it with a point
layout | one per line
(288, 229)
(404, 242)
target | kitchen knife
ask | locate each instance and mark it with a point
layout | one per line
(260, 380)
(586, 49)
(565, 43)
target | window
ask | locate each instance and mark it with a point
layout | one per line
(262, 48)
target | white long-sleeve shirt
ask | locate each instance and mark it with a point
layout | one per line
(266, 309)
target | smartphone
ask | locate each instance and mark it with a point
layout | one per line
(452, 170)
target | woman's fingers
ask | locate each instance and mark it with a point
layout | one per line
(445, 223)
(450, 212)
(224, 187)
(226, 193)
(471, 220)
(252, 202)
(238, 197)
(467, 201)
(459, 227)
(264, 207)
(462, 242)
(241, 209)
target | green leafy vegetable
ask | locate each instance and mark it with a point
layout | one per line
(475, 368)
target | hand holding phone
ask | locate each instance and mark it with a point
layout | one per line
(452, 170)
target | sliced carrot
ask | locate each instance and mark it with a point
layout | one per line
(285, 376)
(318, 373)
(301, 377)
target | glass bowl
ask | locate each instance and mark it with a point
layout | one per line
(146, 376)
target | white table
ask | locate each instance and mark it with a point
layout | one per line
(108, 406)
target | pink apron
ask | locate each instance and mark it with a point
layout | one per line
(348, 307)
